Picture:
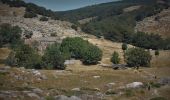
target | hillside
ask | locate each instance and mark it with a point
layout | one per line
(158, 24)
(79, 81)
(116, 21)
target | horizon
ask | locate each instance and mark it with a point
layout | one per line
(65, 5)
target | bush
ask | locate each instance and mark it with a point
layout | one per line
(75, 27)
(11, 60)
(43, 18)
(138, 57)
(92, 55)
(115, 58)
(81, 49)
(25, 56)
(9, 34)
(54, 58)
(124, 46)
(156, 52)
(30, 15)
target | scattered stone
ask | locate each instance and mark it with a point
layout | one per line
(76, 89)
(119, 66)
(134, 85)
(96, 77)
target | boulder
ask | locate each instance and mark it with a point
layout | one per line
(134, 85)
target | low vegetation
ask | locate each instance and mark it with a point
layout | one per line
(136, 57)
(115, 58)
(43, 18)
(9, 34)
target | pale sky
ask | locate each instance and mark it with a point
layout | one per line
(63, 5)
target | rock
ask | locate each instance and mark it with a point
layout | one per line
(69, 62)
(110, 85)
(164, 81)
(74, 98)
(33, 95)
(134, 85)
(96, 77)
(36, 72)
(76, 89)
(119, 66)
(37, 90)
(43, 77)
(61, 97)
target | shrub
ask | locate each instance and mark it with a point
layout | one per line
(137, 57)
(30, 15)
(115, 58)
(156, 52)
(9, 34)
(75, 27)
(11, 60)
(81, 49)
(124, 46)
(28, 34)
(26, 57)
(43, 18)
(92, 55)
(54, 58)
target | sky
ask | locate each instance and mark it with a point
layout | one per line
(63, 5)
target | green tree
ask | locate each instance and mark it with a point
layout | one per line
(82, 49)
(54, 58)
(115, 58)
(92, 55)
(136, 57)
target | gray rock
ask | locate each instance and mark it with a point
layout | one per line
(74, 98)
(43, 77)
(134, 85)
(61, 97)
(37, 90)
(33, 95)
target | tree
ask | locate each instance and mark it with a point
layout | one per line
(92, 55)
(82, 49)
(54, 58)
(115, 58)
(136, 57)
(124, 46)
